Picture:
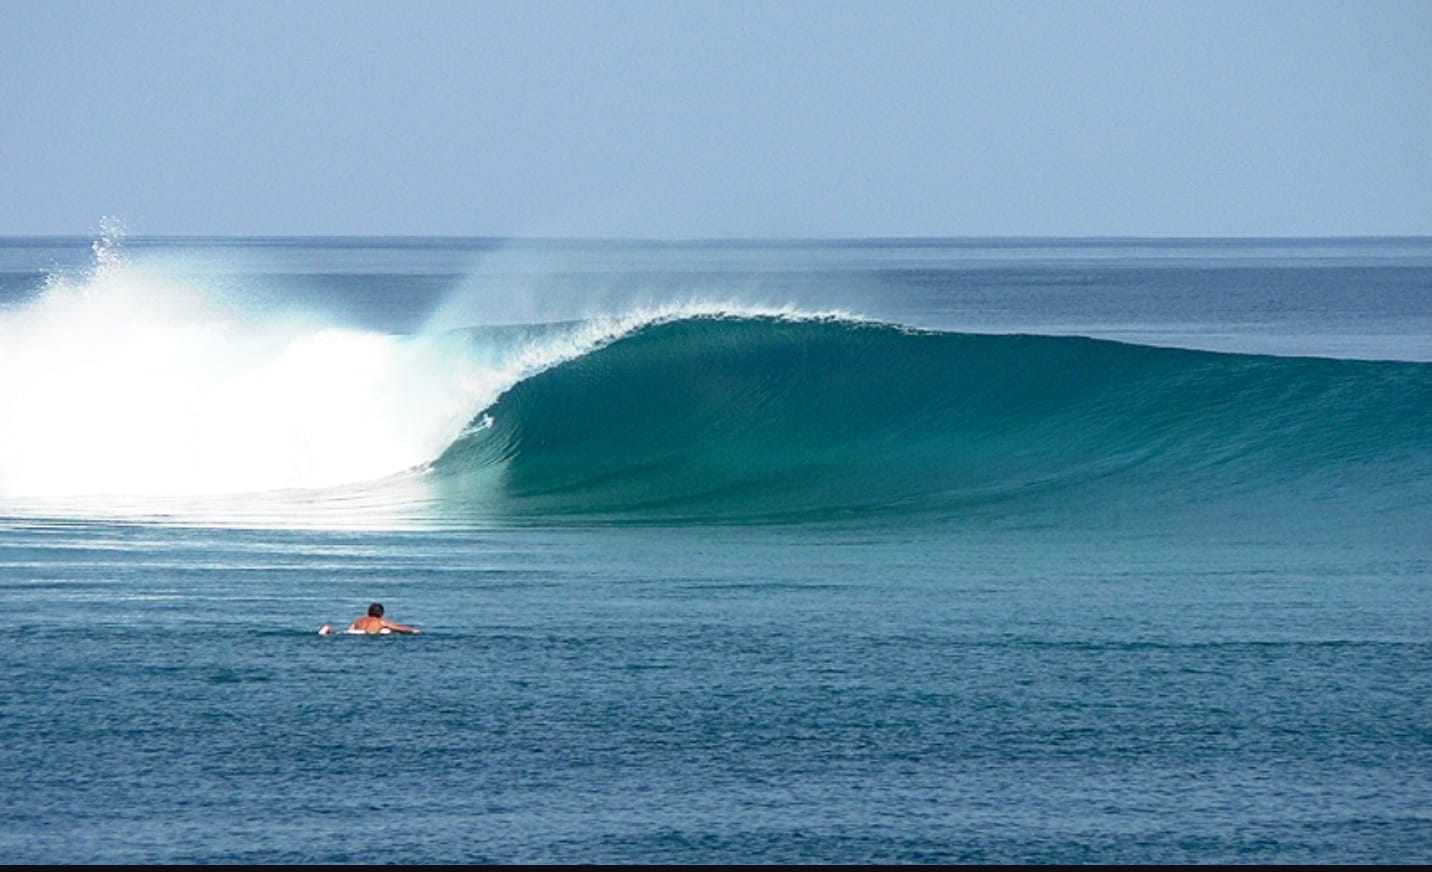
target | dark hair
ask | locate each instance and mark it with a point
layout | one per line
(375, 610)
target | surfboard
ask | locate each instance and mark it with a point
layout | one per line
(327, 630)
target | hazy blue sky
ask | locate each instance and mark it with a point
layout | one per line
(674, 119)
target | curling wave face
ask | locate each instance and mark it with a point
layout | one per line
(757, 418)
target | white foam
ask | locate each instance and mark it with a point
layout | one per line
(128, 381)
(131, 380)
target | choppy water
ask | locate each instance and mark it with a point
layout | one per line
(924, 551)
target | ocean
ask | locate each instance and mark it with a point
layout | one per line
(749, 551)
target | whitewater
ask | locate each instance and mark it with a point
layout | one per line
(849, 551)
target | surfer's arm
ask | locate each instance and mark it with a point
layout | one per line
(399, 628)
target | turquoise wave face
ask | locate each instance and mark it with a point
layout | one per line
(766, 419)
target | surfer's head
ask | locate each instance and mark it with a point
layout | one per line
(375, 610)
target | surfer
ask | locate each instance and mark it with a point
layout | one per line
(372, 623)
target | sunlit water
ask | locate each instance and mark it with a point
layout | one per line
(1090, 629)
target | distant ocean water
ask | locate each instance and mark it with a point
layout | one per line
(863, 551)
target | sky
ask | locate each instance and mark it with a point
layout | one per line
(679, 120)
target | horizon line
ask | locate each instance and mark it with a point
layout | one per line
(704, 240)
